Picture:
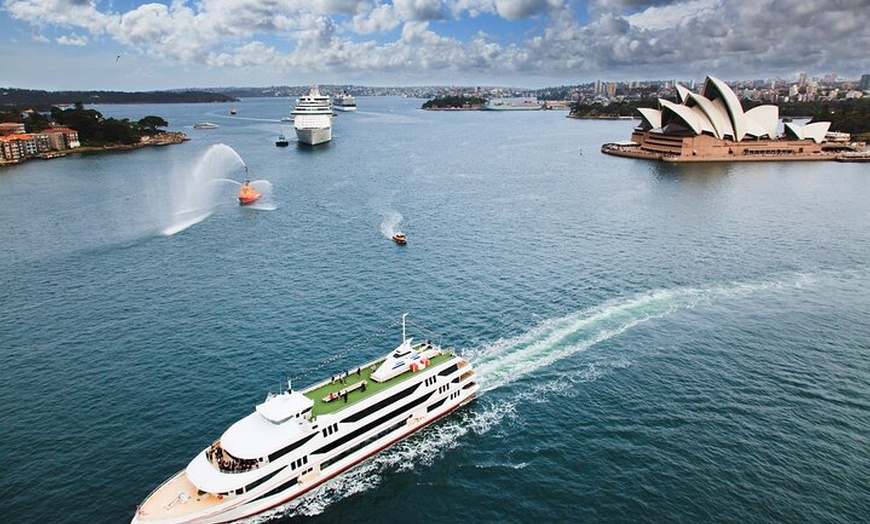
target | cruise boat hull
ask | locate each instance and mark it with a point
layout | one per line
(377, 405)
(314, 136)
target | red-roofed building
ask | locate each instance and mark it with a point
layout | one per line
(15, 147)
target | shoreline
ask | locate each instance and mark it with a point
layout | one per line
(162, 139)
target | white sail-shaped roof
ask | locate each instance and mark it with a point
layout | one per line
(682, 93)
(816, 131)
(718, 119)
(717, 89)
(728, 130)
(684, 114)
(651, 117)
(793, 130)
(762, 121)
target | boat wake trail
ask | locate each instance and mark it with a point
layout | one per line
(509, 360)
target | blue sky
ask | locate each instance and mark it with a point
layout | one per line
(130, 45)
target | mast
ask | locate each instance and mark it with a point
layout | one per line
(403, 328)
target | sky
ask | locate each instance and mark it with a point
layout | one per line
(129, 45)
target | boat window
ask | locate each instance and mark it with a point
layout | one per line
(287, 449)
(262, 479)
(290, 483)
(368, 427)
(449, 370)
(363, 413)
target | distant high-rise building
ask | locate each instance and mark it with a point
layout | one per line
(865, 83)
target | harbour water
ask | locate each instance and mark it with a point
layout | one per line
(655, 343)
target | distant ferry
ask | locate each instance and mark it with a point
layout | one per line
(296, 440)
(504, 105)
(345, 102)
(312, 118)
(205, 125)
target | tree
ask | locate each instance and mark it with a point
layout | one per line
(151, 123)
(114, 131)
(36, 122)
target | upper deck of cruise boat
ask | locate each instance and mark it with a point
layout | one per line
(313, 102)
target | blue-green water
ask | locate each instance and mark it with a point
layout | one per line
(655, 343)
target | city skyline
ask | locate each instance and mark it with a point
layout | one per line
(136, 46)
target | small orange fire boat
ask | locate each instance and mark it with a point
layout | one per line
(247, 194)
(399, 238)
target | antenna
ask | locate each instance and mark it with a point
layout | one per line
(403, 328)
(289, 385)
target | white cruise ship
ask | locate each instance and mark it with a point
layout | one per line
(294, 441)
(345, 102)
(312, 118)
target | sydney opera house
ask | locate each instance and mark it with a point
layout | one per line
(712, 126)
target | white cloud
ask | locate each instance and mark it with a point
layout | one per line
(419, 10)
(73, 40)
(379, 20)
(665, 17)
(569, 39)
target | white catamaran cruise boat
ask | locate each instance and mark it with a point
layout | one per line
(294, 441)
(312, 118)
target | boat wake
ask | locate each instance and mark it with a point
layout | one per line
(390, 224)
(510, 360)
(262, 206)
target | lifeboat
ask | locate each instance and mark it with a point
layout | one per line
(247, 194)
(399, 238)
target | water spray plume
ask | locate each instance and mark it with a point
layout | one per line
(193, 196)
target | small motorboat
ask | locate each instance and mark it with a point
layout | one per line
(247, 194)
(282, 141)
(399, 238)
